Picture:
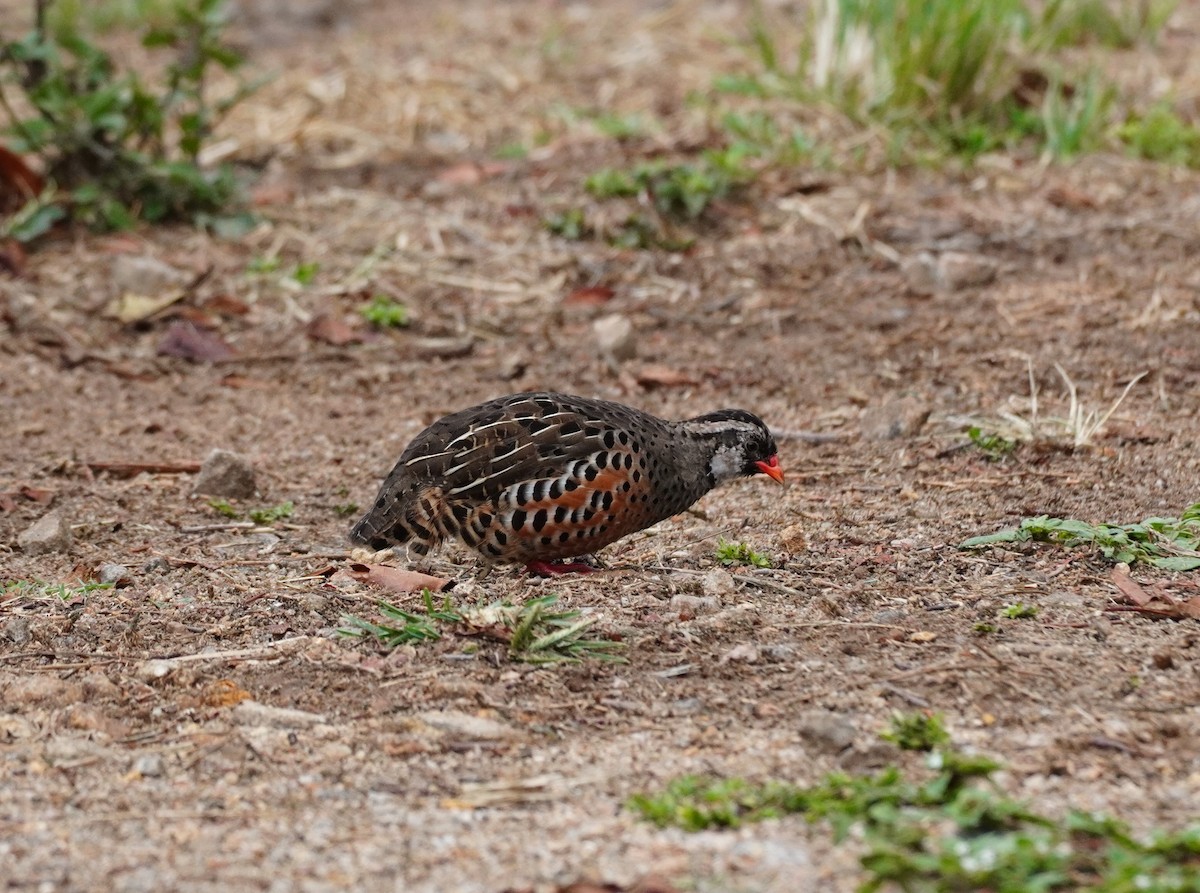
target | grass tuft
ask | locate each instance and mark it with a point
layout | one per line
(534, 632)
(949, 829)
(385, 313)
(730, 553)
(272, 514)
(1168, 543)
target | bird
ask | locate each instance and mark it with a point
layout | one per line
(538, 477)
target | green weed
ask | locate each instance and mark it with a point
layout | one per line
(345, 509)
(41, 589)
(116, 148)
(222, 507)
(964, 76)
(1020, 611)
(951, 829)
(305, 273)
(1118, 25)
(1160, 135)
(1169, 543)
(728, 553)
(270, 515)
(570, 224)
(536, 633)
(404, 626)
(992, 445)
(384, 312)
(917, 731)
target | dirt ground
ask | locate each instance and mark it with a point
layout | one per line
(446, 767)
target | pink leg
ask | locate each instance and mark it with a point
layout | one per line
(550, 569)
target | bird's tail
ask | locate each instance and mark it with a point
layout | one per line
(420, 524)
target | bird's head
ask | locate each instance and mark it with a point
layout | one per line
(742, 444)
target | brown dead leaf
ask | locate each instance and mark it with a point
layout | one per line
(18, 181)
(590, 296)
(396, 579)
(185, 341)
(225, 305)
(223, 693)
(10, 499)
(246, 383)
(1190, 608)
(40, 495)
(333, 330)
(272, 194)
(12, 257)
(656, 376)
(1071, 198)
(1132, 591)
(468, 173)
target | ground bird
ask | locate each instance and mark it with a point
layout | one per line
(538, 477)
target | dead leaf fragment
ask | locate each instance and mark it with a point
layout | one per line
(1133, 592)
(333, 330)
(590, 296)
(223, 693)
(18, 181)
(12, 257)
(130, 308)
(185, 341)
(656, 376)
(396, 579)
(468, 173)
(226, 305)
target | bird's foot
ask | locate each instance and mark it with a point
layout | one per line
(553, 568)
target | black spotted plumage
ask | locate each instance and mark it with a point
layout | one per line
(541, 476)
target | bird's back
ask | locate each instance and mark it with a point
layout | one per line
(535, 476)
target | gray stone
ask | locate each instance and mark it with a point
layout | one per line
(50, 533)
(614, 338)
(149, 765)
(901, 417)
(116, 574)
(16, 630)
(254, 713)
(145, 275)
(826, 730)
(693, 604)
(226, 474)
(946, 273)
(718, 582)
(457, 724)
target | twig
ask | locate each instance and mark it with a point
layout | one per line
(128, 469)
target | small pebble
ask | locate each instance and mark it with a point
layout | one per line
(693, 604)
(613, 336)
(827, 730)
(226, 474)
(718, 582)
(901, 417)
(145, 275)
(149, 765)
(156, 566)
(116, 574)
(50, 533)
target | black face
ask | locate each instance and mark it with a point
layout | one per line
(748, 432)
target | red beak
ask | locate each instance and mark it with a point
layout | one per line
(771, 468)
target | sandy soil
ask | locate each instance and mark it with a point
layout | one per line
(268, 753)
